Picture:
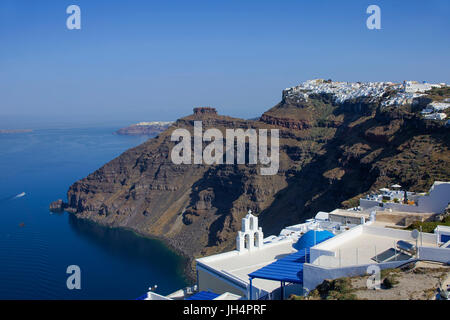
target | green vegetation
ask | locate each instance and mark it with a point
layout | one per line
(342, 290)
(354, 202)
(429, 226)
(295, 297)
(339, 289)
(439, 94)
(386, 272)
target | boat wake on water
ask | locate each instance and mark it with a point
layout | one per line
(20, 195)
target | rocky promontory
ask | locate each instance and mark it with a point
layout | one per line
(58, 206)
(331, 153)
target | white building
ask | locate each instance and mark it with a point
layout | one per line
(434, 202)
(345, 91)
(443, 234)
(439, 106)
(229, 272)
(435, 116)
(358, 250)
(427, 111)
(341, 243)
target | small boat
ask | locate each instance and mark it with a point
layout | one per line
(22, 224)
(20, 195)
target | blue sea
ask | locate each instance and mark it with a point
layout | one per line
(37, 246)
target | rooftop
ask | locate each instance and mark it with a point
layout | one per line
(351, 213)
(203, 295)
(240, 264)
(360, 245)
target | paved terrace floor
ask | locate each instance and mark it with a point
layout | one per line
(360, 250)
(241, 265)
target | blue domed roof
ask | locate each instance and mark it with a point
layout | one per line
(309, 240)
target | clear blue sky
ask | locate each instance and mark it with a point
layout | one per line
(155, 60)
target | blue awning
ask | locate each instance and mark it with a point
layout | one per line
(290, 268)
(203, 295)
(287, 269)
(143, 297)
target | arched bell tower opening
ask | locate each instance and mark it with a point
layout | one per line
(246, 241)
(256, 239)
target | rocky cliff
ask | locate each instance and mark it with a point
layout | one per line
(330, 154)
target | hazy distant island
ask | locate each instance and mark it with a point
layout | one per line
(13, 131)
(145, 128)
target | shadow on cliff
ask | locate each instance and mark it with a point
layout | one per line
(213, 195)
(309, 191)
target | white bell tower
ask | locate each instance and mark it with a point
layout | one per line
(251, 236)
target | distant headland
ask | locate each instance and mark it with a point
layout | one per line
(145, 128)
(13, 131)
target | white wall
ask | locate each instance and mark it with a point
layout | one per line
(155, 296)
(375, 205)
(211, 280)
(367, 204)
(324, 248)
(442, 230)
(435, 202)
(340, 238)
(324, 253)
(314, 275)
(434, 254)
(399, 234)
(403, 207)
(438, 199)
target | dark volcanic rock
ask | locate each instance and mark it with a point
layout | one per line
(284, 122)
(329, 157)
(205, 110)
(58, 206)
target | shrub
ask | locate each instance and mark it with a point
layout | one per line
(429, 226)
(389, 282)
(295, 297)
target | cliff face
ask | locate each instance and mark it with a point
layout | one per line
(329, 156)
(194, 208)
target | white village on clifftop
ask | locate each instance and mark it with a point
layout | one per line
(391, 94)
(332, 245)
